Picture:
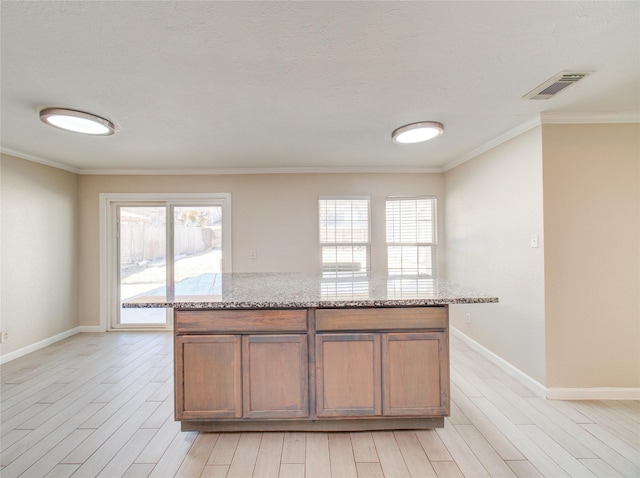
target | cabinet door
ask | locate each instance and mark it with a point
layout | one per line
(348, 375)
(207, 375)
(275, 376)
(415, 374)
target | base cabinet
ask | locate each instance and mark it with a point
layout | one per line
(348, 375)
(275, 379)
(208, 378)
(400, 374)
(234, 376)
(415, 378)
(311, 369)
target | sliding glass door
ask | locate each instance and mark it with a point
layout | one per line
(142, 262)
(172, 245)
(197, 248)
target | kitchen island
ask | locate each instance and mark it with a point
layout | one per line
(300, 351)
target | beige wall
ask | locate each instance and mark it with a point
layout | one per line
(39, 217)
(592, 254)
(569, 311)
(274, 214)
(493, 205)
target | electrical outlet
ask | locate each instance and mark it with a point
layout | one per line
(468, 318)
(253, 254)
(4, 337)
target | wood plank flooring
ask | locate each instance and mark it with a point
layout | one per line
(101, 405)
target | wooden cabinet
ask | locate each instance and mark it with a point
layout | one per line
(275, 378)
(410, 360)
(348, 375)
(208, 380)
(415, 374)
(243, 375)
(312, 369)
(401, 374)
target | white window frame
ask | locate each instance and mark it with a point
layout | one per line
(429, 244)
(109, 247)
(366, 245)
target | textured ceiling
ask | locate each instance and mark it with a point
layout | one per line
(302, 85)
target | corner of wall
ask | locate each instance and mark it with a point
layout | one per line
(493, 207)
(39, 254)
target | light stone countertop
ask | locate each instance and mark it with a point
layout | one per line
(302, 290)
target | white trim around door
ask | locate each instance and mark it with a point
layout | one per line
(108, 247)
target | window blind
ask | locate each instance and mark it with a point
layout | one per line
(344, 236)
(411, 234)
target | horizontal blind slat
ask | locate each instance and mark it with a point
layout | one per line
(410, 235)
(344, 236)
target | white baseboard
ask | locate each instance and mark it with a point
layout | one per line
(38, 345)
(552, 393)
(593, 393)
(502, 364)
(91, 328)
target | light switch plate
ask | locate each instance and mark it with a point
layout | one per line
(534, 240)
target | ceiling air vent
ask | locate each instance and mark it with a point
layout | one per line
(555, 85)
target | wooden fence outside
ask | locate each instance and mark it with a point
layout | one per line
(141, 242)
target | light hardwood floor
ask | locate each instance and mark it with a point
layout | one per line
(102, 405)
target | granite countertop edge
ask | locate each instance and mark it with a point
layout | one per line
(324, 304)
(311, 290)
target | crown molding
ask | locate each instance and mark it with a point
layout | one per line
(542, 118)
(503, 138)
(588, 118)
(228, 171)
(219, 171)
(545, 118)
(37, 159)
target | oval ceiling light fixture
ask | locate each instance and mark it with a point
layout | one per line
(417, 132)
(77, 121)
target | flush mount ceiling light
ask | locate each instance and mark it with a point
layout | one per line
(417, 132)
(77, 121)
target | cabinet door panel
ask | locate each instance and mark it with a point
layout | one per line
(415, 374)
(275, 378)
(208, 377)
(348, 375)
